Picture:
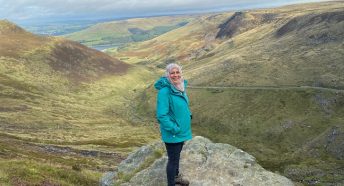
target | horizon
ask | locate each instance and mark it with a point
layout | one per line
(29, 12)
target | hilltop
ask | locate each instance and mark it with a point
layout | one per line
(72, 59)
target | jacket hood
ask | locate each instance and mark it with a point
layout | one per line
(161, 83)
(164, 82)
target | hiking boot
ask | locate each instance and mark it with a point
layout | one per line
(180, 181)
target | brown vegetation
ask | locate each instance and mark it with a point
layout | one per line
(242, 21)
(81, 63)
(15, 40)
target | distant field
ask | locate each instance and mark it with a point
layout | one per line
(58, 27)
(119, 33)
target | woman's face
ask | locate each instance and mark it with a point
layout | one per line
(175, 75)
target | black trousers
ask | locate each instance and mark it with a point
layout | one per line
(172, 168)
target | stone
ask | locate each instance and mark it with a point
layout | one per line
(203, 163)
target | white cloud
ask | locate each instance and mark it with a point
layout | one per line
(40, 9)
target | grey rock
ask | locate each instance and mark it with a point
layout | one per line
(107, 178)
(139, 157)
(203, 163)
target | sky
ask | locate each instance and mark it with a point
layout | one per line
(43, 10)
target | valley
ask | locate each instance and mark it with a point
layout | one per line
(268, 81)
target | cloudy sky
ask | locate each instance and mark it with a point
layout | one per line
(40, 10)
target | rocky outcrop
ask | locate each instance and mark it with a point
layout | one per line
(243, 21)
(202, 162)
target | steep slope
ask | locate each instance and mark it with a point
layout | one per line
(241, 22)
(63, 110)
(118, 33)
(82, 63)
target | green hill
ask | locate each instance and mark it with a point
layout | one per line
(63, 117)
(119, 33)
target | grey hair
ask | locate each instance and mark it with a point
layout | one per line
(171, 66)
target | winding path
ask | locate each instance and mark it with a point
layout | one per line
(267, 88)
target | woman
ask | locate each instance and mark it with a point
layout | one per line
(174, 117)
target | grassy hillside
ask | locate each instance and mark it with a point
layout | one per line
(293, 45)
(118, 33)
(63, 116)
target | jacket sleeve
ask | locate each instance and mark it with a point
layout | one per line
(162, 111)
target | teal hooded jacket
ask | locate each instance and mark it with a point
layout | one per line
(172, 112)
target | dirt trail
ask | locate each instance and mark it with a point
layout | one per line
(267, 88)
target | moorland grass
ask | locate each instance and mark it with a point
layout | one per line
(28, 172)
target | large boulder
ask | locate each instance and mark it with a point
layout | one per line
(202, 163)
